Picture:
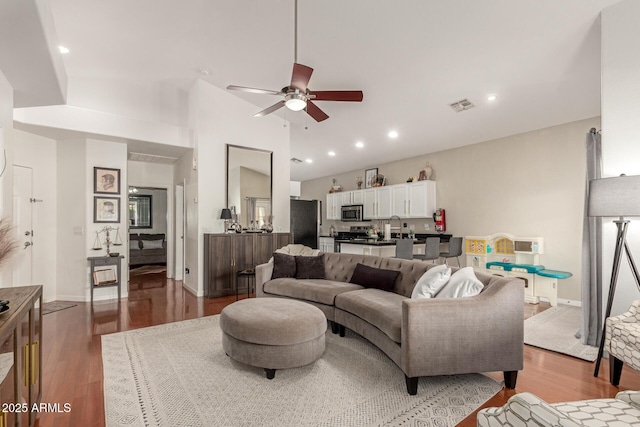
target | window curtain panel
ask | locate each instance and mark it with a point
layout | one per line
(590, 332)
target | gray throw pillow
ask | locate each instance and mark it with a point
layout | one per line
(283, 266)
(371, 277)
(310, 267)
(151, 244)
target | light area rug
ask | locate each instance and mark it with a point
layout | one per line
(555, 328)
(178, 375)
(50, 307)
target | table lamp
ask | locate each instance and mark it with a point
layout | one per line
(226, 215)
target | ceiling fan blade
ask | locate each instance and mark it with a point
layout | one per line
(337, 95)
(315, 112)
(253, 90)
(270, 110)
(300, 77)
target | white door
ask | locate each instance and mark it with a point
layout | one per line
(179, 218)
(22, 222)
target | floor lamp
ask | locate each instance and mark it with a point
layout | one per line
(615, 197)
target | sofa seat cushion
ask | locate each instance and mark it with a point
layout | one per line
(315, 290)
(379, 308)
(152, 252)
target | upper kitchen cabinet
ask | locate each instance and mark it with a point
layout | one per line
(377, 202)
(334, 203)
(355, 197)
(414, 199)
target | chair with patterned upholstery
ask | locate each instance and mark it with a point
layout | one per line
(526, 409)
(622, 341)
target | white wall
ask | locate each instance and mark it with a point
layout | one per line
(620, 130)
(72, 216)
(219, 118)
(39, 154)
(528, 185)
(6, 147)
(108, 155)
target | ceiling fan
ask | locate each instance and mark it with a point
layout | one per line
(297, 95)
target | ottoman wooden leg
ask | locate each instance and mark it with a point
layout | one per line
(271, 373)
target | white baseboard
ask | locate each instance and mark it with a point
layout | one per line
(569, 302)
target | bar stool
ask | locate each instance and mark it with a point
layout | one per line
(249, 274)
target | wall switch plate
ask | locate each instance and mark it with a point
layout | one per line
(426, 226)
(78, 230)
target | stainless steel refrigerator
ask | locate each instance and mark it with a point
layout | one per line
(305, 222)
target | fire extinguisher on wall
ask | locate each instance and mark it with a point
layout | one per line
(440, 220)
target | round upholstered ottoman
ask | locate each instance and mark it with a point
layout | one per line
(273, 333)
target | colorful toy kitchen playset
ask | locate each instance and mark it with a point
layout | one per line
(505, 255)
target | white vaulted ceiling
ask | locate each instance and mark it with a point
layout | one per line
(410, 57)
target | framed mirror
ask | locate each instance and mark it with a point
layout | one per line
(140, 211)
(249, 185)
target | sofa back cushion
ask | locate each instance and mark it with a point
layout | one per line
(340, 267)
(371, 277)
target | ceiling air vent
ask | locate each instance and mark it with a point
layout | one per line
(294, 160)
(151, 158)
(462, 105)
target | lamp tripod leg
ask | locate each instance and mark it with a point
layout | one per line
(620, 244)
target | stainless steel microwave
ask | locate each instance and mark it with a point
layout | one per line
(352, 213)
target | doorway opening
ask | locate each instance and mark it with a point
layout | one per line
(147, 211)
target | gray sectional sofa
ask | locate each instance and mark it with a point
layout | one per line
(424, 337)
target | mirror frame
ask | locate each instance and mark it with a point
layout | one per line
(240, 147)
(141, 196)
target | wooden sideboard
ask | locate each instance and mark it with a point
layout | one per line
(226, 254)
(21, 355)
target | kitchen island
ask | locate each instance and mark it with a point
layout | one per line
(384, 248)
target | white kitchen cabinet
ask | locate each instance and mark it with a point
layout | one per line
(357, 197)
(414, 199)
(354, 197)
(334, 204)
(326, 244)
(399, 199)
(377, 203)
(421, 199)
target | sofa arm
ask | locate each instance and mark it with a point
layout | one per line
(631, 397)
(447, 336)
(263, 275)
(524, 409)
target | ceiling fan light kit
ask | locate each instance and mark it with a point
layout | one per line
(295, 101)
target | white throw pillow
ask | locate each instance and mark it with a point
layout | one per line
(463, 283)
(431, 282)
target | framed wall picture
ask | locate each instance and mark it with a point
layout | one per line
(106, 209)
(369, 177)
(106, 180)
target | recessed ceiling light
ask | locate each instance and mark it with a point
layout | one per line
(491, 97)
(63, 49)
(360, 144)
(331, 153)
(309, 161)
(393, 134)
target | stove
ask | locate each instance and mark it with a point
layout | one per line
(355, 232)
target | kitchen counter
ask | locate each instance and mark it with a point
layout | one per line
(374, 242)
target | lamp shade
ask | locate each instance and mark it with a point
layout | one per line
(225, 214)
(616, 196)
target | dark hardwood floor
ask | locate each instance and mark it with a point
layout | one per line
(72, 363)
